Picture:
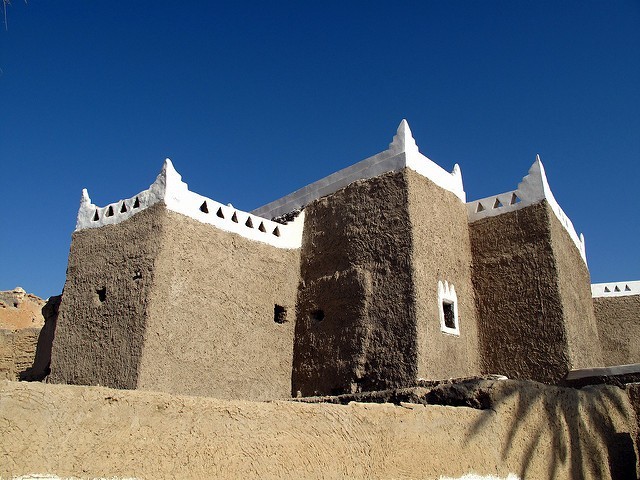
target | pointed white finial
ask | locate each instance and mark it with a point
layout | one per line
(403, 140)
(84, 199)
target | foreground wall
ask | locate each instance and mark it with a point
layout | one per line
(529, 431)
(533, 295)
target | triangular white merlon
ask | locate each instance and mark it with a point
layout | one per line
(403, 140)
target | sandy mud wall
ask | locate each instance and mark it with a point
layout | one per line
(574, 281)
(212, 329)
(521, 319)
(618, 320)
(529, 431)
(441, 252)
(102, 318)
(355, 329)
(17, 351)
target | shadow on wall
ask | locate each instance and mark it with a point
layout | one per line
(582, 433)
(42, 361)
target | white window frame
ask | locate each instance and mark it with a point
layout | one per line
(447, 294)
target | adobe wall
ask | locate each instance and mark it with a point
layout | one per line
(618, 320)
(585, 350)
(102, 318)
(211, 328)
(441, 251)
(355, 328)
(521, 318)
(17, 351)
(529, 431)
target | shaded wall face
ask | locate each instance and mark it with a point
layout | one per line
(618, 320)
(521, 314)
(102, 318)
(441, 251)
(574, 284)
(355, 328)
(211, 326)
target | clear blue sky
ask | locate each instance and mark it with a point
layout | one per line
(252, 100)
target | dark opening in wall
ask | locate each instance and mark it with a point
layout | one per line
(123, 209)
(137, 275)
(219, 213)
(279, 314)
(136, 204)
(449, 315)
(204, 208)
(96, 217)
(110, 212)
(249, 223)
(234, 217)
(102, 294)
(317, 315)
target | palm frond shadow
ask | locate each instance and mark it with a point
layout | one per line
(563, 431)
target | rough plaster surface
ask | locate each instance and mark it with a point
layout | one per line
(530, 431)
(211, 328)
(102, 320)
(618, 320)
(441, 251)
(546, 327)
(522, 331)
(574, 283)
(356, 269)
(187, 308)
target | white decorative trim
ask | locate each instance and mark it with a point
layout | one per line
(447, 294)
(615, 289)
(533, 188)
(402, 152)
(170, 189)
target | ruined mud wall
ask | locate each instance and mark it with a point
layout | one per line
(355, 327)
(102, 318)
(521, 319)
(17, 351)
(441, 251)
(528, 431)
(618, 320)
(211, 327)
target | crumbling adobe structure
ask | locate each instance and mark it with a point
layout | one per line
(385, 276)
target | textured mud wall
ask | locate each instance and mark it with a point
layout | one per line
(17, 351)
(102, 318)
(355, 326)
(211, 327)
(585, 350)
(441, 250)
(618, 320)
(521, 319)
(529, 431)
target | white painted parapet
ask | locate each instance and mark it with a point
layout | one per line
(402, 152)
(533, 188)
(615, 289)
(170, 189)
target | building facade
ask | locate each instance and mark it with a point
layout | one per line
(374, 277)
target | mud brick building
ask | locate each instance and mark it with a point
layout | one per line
(375, 277)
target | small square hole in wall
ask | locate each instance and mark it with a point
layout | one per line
(279, 314)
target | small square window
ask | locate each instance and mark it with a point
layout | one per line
(448, 308)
